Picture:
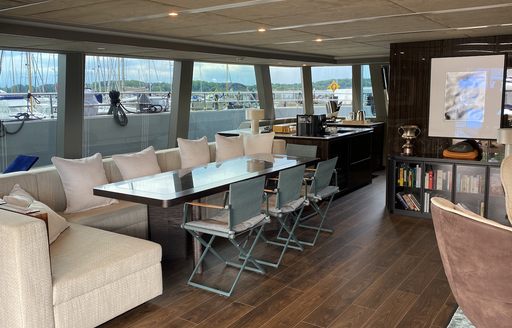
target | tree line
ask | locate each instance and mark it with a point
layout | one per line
(197, 86)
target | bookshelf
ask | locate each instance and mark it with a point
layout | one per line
(413, 181)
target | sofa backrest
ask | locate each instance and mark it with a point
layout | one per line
(25, 276)
(44, 182)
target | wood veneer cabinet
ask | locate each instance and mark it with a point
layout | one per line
(475, 184)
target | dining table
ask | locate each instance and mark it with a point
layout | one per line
(170, 189)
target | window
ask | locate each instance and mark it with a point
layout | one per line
(144, 86)
(28, 105)
(220, 95)
(287, 91)
(367, 101)
(332, 83)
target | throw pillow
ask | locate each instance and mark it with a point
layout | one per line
(194, 152)
(138, 164)
(79, 177)
(56, 223)
(258, 143)
(228, 147)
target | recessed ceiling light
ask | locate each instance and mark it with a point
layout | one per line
(262, 29)
(318, 40)
(173, 14)
(101, 48)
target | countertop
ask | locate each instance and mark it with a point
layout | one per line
(342, 133)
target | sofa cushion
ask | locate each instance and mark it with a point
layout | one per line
(79, 177)
(194, 152)
(228, 147)
(115, 217)
(168, 159)
(84, 259)
(258, 143)
(56, 223)
(25, 180)
(138, 164)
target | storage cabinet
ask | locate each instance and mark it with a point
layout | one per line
(413, 181)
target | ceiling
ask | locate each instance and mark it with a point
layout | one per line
(227, 30)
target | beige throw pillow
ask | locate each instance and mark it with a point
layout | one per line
(194, 152)
(79, 177)
(258, 143)
(228, 147)
(138, 164)
(56, 223)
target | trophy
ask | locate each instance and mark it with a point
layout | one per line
(409, 133)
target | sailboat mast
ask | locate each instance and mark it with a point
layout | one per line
(29, 70)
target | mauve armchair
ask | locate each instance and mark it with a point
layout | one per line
(477, 260)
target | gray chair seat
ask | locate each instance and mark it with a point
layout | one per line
(286, 208)
(219, 223)
(325, 193)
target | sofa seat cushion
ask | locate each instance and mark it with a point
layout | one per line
(113, 217)
(84, 259)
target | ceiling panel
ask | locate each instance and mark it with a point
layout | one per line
(484, 17)
(366, 22)
(432, 5)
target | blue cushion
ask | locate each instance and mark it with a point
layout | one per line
(21, 163)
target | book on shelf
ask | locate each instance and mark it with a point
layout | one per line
(409, 176)
(408, 201)
(472, 184)
(401, 200)
(426, 202)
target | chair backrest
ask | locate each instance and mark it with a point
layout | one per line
(289, 185)
(323, 174)
(477, 260)
(506, 181)
(245, 198)
(301, 150)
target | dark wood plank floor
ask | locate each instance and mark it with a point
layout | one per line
(375, 270)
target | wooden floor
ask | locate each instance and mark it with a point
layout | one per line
(375, 270)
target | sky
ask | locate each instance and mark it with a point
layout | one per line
(14, 70)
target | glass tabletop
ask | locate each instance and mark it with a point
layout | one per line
(173, 187)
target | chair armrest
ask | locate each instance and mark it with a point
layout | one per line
(219, 207)
(310, 169)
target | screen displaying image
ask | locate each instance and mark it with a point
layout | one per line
(465, 96)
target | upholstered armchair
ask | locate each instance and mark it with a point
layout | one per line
(477, 260)
(506, 181)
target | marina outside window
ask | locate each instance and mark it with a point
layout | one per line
(332, 83)
(220, 95)
(28, 106)
(287, 91)
(144, 87)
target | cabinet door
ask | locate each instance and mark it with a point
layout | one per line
(470, 187)
(496, 203)
(437, 182)
(408, 186)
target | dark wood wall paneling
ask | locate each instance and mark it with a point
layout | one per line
(409, 87)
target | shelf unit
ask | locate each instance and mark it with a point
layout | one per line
(413, 181)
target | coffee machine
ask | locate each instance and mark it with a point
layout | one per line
(311, 125)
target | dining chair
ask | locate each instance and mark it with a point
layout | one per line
(320, 191)
(301, 150)
(286, 204)
(241, 215)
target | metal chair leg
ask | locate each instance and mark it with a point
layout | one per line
(319, 228)
(241, 267)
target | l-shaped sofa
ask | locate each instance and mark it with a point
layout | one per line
(95, 270)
